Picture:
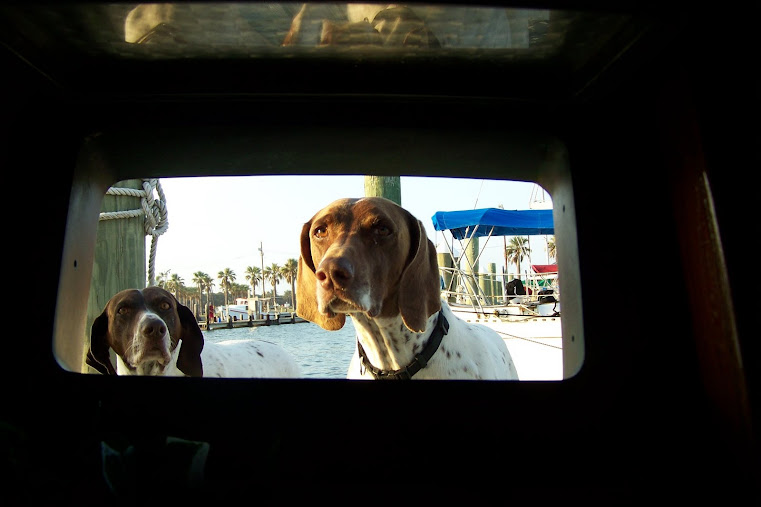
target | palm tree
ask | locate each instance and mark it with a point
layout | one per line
(272, 274)
(209, 284)
(289, 271)
(199, 278)
(516, 250)
(552, 251)
(240, 290)
(175, 284)
(184, 295)
(162, 279)
(226, 277)
(253, 275)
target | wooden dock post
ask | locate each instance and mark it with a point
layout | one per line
(495, 287)
(119, 256)
(484, 281)
(491, 284)
(471, 266)
(389, 187)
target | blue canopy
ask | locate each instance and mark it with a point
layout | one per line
(494, 221)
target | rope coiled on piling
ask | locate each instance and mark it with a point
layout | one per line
(155, 212)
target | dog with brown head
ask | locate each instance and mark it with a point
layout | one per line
(145, 328)
(370, 259)
(366, 256)
(151, 333)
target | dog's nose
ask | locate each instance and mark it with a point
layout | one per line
(153, 328)
(335, 271)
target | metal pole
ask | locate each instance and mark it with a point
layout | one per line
(261, 251)
(506, 268)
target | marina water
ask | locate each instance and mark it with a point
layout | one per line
(319, 353)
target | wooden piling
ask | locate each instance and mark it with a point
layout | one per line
(469, 265)
(389, 187)
(495, 285)
(485, 282)
(119, 256)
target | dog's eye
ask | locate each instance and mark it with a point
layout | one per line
(124, 310)
(321, 231)
(165, 305)
(381, 230)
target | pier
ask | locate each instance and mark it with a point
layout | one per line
(268, 320)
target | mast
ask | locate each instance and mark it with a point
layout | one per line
(540, 199)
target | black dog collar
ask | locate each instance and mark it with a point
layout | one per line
(417, 364)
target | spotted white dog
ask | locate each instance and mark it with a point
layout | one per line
(152, 334)
(371, 259)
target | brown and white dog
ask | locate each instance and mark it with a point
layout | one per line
(371, 259)
(153, 334)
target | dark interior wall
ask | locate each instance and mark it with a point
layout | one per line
(636, 422)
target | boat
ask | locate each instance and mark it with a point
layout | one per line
(524, 309)
(248, 312)
(238, 311)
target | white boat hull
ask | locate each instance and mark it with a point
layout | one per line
(535, 342)
(511, 324)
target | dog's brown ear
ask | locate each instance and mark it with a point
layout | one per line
(420, 286)
(306, 288)
(191, 343)
(98, 355)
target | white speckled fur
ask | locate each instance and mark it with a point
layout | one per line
(229, 358)
(467, 352)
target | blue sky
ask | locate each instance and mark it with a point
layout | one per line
(219, 222)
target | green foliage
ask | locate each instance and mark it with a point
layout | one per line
(203, 289)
